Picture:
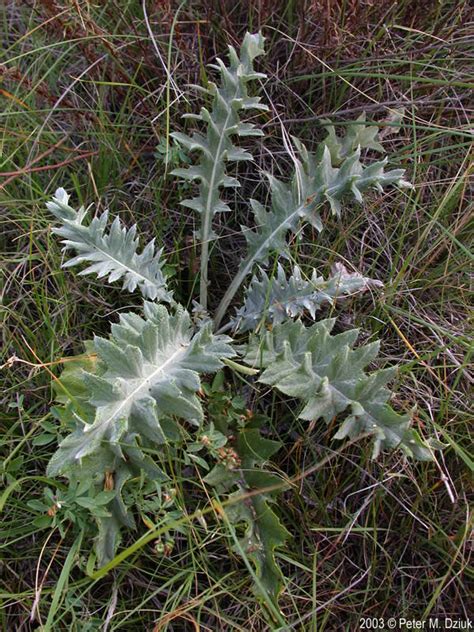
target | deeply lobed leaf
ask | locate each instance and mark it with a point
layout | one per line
(328, 375)
(222, 123)
(120, 401)
(275, 299)
(113, 253)
(315, 181)
(148, 371)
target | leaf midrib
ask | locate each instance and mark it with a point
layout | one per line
(148, 379)
(107, 255)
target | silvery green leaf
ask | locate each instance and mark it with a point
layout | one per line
(147, 371)
(314, 183)
(357, 135)
(294, 204)
(215, 145)
(276, 299)
(328, 374)
(110, 251)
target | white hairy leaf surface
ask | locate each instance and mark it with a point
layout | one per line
(110, 251)
(148, 370)
(315, 182)
(276, 299)
(215, 145)
(328, 374)
(129, 404)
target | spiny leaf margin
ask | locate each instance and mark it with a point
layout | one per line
(274, 299)
(216, 146)
(315, 182)
(148, 370)
(328, 374)
(295, 204)
(113, 253)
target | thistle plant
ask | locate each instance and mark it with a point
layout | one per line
(144, 395)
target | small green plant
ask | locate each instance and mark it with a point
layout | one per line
(133, 402)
